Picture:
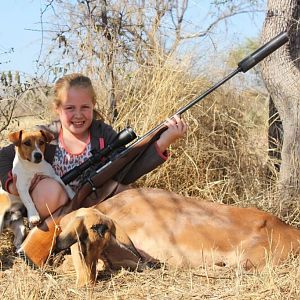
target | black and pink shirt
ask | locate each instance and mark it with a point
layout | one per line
(64, 161)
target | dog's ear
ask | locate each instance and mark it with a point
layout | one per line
(16, 137)
(122, 237)
(70, 234)
(47, 135)
(121, 252)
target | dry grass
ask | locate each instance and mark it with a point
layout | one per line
(21, 282)
(223, 158)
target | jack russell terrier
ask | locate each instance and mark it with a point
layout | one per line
(29, 160)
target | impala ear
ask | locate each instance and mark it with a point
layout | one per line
(15, 137)
(70, 233)
(120, 251)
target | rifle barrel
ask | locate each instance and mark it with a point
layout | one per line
(243, 66)
(262, 52)
(206, 93)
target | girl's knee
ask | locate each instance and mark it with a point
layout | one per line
(48, 196)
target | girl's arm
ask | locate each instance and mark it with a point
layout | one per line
(155, 154)
(7, 155)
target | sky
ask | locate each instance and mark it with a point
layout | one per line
(16, 17)
(20, 31)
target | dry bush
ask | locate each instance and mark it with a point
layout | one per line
(224, 155)
(22, 104)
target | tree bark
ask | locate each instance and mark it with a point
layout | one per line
(281, 74)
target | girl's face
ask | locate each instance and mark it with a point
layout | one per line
(76, 111)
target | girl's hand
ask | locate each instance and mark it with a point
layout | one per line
(12, 187)
(176, 129)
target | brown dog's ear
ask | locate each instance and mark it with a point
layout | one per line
(48, 135)
(15, 137)
(124, 239)
(70, 234)
(121, 252)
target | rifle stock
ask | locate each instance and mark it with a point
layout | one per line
(41, 240)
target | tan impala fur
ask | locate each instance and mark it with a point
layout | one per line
(191, 232)
(174, 229)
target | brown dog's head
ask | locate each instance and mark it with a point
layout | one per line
(31, 145)
(99, 237)
(87, 226)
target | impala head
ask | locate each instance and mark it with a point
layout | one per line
(30, 146)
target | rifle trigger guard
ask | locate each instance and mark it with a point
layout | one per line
(94, 189)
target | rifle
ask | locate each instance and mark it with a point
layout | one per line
(41, 240)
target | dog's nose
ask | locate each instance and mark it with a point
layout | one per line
(37, 157)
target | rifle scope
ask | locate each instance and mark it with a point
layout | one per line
(123, 138)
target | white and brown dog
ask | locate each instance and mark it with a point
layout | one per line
(11, 216)
(29, 160)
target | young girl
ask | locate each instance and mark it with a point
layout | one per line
(77, 133)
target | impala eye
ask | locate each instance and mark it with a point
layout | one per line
(27, 143)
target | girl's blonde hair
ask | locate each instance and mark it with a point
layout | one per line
(74, 80)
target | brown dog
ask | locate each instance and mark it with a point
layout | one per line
(90, 235)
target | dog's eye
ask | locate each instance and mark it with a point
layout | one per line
(27, 143)
(100, 229)
(41, 143)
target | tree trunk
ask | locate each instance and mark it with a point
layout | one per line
(281, 74)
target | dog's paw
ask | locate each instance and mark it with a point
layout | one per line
(34, 220)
